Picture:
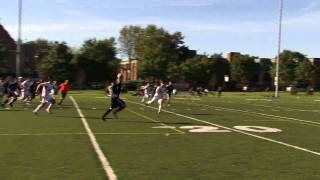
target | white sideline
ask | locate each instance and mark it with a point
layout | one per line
(235, 130)
(105, 163)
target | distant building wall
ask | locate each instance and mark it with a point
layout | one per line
(129, 71)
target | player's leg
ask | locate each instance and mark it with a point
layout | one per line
(113, 105)
(152, 100)
(51, 103)
(40, 106)
(12, 99)
(121, 106)
(160, 102)
(63, 96)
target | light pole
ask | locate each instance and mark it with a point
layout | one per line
(18, 52)
(276, 79)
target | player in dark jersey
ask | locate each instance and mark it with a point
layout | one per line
(12, 90)
(169, 91)
(117, 104)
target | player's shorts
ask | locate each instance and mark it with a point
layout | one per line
(117, 102)
(48, 98)
(63, 95)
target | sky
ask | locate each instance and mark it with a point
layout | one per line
(209, 26)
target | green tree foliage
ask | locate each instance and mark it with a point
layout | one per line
(243, 70)
(303, 73)
(289, 60)
(128, 38)
(57, 64)
(33, 52)
(3, 55)
(97, 60)
(198, 70)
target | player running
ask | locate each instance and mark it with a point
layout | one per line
(64, 89)
(158, 96)
(146, 93)
(12, 90)
(117, 104)
(46, 92)
(170, 89)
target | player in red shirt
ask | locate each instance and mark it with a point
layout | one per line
(64, 88)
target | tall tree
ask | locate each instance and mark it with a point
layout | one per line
(289, 60)
(243, 69)
(198, 70)
(57, 64)
(128, 38)
(157, 50)
(97, 60)
(303, 73)
(33, 52)
(2, 57)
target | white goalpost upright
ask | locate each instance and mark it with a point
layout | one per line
(18, 50)
(276, 79)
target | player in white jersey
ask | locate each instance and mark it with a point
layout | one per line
(158, 96)
(46, 92)
(26, 90)
(146, 92)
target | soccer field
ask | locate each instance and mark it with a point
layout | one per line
(237, 136)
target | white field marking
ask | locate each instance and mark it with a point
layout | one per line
(258, 99)
(133, 133)
(278, 107)
(317, 100)
(105, 163)
(76, 134)
(238, 131)
(164, 127)
(153, 120)
(258, 113)
(40, 134)
(103, 97)
(258, 129)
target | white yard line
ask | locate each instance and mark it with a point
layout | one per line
(238, 131)
(261, 114)
(153, 120)
(78, 134)
(104, 161)
(256, 113)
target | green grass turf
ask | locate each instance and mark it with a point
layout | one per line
(56, 146)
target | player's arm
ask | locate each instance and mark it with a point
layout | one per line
(119, 78)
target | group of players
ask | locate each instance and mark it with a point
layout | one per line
(151, 94)
(26, 89)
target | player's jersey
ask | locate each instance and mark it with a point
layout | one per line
(159, 92)
(47, 90)
(13, 88)
(26, 86)
(64, 87)
(116, 90)
(170, 89)
(146, 90)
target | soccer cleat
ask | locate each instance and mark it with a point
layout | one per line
(35, 113)
(49, 111)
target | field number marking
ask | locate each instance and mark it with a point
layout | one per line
(259, 129)
(204, 129)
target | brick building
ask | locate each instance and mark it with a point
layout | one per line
(129, 70)
(9, 48)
